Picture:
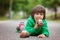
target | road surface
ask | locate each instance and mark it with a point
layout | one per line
(8, 31)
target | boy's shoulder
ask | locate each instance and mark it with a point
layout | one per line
(44, 21)
(30, 18)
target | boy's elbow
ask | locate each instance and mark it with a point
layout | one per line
(47, 34)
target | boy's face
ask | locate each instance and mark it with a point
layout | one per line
(38, 16)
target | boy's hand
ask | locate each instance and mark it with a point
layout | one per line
(41, 36)
(38, 24)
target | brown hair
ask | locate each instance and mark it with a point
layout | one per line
(38, 9)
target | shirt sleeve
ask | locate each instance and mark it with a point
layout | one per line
(29, 27)
(45, 29)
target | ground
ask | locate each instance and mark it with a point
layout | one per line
(8, 31)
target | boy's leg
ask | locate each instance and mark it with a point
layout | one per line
(24, 34)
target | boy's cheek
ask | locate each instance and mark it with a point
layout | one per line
(41, 17)
(35, 19)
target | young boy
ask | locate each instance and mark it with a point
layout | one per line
(36, 24)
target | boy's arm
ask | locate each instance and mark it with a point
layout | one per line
(29, 27)
(45, 29)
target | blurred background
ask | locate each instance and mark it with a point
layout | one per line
(21, 9)
(12, 12)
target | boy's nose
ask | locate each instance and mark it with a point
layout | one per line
(39, 15)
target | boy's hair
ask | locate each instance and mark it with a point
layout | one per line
(38, 9)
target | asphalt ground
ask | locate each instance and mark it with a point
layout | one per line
(8, 31)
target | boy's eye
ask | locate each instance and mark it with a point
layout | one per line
(41, 14)
(37, 13)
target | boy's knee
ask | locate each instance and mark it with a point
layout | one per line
(24, 34)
